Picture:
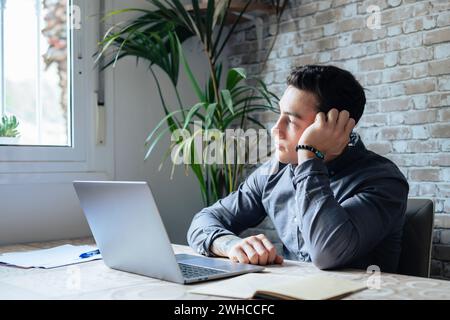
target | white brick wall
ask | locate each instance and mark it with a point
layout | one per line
(406, 67)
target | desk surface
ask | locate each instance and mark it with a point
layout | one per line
(93, 280)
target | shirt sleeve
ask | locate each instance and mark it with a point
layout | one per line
(231, 215)
(337, 233)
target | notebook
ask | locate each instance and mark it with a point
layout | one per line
(271, 286)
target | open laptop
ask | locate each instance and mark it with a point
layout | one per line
(130, 234)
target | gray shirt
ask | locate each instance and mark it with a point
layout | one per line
(348, 212)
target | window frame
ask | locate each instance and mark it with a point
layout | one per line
(79, 157)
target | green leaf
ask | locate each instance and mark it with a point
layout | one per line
(166, 155)
(209, 20)
(198, 19)
(221, 16)
(170, 120)
(228, 101)
(210, 114)
(174, 57)
(234, 76)
(231, 31)
(193, 111)
(160, 123)
(8, 127)
(156, 140)
(188, 70)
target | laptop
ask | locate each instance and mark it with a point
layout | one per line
(130, 234)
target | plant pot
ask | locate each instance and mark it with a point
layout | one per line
(9, 140)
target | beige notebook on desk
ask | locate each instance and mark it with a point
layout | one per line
(271, 286)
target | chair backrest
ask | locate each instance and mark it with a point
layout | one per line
(417, 238)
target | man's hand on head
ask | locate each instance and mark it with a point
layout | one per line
(329, 134)
(252, 250)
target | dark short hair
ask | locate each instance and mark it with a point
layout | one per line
(334, 88)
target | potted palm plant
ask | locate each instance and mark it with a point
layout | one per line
(157, 36)
(8, 130)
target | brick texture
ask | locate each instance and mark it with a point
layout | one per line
(405, 65)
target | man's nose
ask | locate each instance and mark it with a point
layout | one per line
(277, 130)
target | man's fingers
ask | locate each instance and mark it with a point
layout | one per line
(349, 126)
(279, 259)
(252, 255)
(271, 249)
(320, 118)
(241, 256)
(332, 116)
(256, 250)
(342, 119)
(263, 254)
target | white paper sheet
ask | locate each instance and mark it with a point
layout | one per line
(49, 258)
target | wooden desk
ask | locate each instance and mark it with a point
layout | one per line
(93, 280)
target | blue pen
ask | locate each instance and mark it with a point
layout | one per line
(89, 254)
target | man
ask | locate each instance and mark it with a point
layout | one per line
(331, 200)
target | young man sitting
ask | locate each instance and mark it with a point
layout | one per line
(332, 201)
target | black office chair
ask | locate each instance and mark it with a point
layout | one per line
(417, 238)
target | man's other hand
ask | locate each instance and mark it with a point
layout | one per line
(252, 250)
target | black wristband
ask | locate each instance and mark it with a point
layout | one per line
(318, 154)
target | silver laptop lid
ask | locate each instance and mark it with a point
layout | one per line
(127, 228)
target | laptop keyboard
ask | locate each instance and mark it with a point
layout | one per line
(190, 271)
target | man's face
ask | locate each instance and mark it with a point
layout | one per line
(298, 109)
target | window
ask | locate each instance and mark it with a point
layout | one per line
(48, 82)
(35, 78)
